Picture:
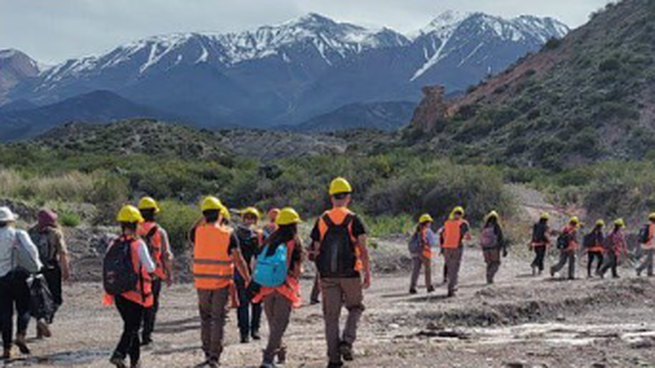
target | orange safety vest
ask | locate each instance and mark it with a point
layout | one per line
(156, 249)
(427, 251)
(338, 215)
(572, 231)
(143, 293)
(651, 232)
(291, 287)
(452, 234)
(213, 267)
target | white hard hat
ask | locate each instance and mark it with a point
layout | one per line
(6, 215)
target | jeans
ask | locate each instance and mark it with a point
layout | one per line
(14, 292)
(337, 293)
(564, 257)
(539, 256)
(150, 314)
(453, 261)
(419, 261)
(591, 256)
(249, 314)
(132, 315)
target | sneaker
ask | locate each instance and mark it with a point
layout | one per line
(346, 351)
(118, 362)
(42, 329)
(412, 291)
(255, 335)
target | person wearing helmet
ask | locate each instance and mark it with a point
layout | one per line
(271, 226)
(492, 243)
(614, 247)
(593, 244)
(455, 231)
(280, 300)
(250, 241)
(568, 246)
(216, 254)
(156, 238)
(539, 243)
(53, 253)
(420, 248)
(340, 252)
(15, 269)
(131, 304)
(648, 246)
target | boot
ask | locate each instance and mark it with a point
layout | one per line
(42, 329)
(412, 291)
(118, 362)
(21, 342)
(346, 351)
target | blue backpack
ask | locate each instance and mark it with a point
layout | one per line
(271, 269)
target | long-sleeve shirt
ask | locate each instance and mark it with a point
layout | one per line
(11, 238)
(144, 257)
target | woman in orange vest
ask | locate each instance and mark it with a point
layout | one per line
(279, 301)
(455, 231)
(132, 304)
(422, 257)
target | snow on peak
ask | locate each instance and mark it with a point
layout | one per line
(8, 53)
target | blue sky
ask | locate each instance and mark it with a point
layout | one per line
(54, 30)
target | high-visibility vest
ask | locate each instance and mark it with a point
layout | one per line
(427, 251)
(338, 216)
(650, 244)
(143, 293)
(452, 234)
(156, 250)
(291, 287)
(213, 267)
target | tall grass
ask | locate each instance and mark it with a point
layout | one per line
(66, 187)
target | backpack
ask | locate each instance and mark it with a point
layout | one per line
(589, 240)
(118, 274)
(415, 244)
(248, 242)
(488, 238)
(272, 266)
(337, 258)
(42, 305)
(539, 233)
(563, 241)
(47, 255)
(644, 234)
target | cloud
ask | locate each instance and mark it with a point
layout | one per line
(52, 31)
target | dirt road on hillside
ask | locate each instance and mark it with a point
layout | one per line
(519, 322)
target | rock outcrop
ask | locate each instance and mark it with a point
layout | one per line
(432, 110)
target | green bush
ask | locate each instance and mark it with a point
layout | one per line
(69, 218)
(178, 218)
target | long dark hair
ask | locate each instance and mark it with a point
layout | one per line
(283, 235)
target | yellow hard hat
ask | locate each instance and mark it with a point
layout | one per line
(211, 203)
(251, 211)
(651, 216)
(458, 209)
(340, 186)
(148, 203)
(545, 216)
(619, 222)
(600, 223)
(575, 220)
(288, 216)
(225, 212)
(129, 214)
(425, 218)
(493, 214)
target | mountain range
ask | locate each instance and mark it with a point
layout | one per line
(274, 75)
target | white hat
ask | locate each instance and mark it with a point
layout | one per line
(6, 215)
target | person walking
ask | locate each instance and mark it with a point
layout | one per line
(156, 238)
(593, 244)
(280, 299)
(53, 254)
(250, 241)
(19, 258)
(540, 242)
(648, 245)
(130, 304)
(493, 244)
(340, 251)
(420, 248)
(567, 243)
(456, 230)
(216, 254)
(615, 245)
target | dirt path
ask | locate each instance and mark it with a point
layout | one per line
(519, 322)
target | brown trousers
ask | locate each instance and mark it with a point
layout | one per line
(337, 293)
(278, 313)
(453, 260)
(492, 259)
(213, 306)
(419, 261)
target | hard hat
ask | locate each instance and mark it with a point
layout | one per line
(288, 216)
(600, 223)
(251, 211)
(272, 213)
(493, 214)
(458, 209)
(340, 186)
(425, 218)
(225, 212)
(545, 216)
(129, 214)
(148, 203)
(651, 216)
(575, 220)
(211, 203)
(619, 222)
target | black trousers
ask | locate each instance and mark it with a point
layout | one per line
(52, 275)
(14, 293)
(539, 256)
(591, 256)
(150, 314)
(129, 344)
(249, 314)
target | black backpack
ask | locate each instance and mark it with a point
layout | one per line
(539, 233)
(589, 240)
(118, 274)
(644, 234)
(248, 242)
(337, 258)
(563, 241)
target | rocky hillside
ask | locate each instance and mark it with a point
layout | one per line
(387, 116)
(15, 68)
(585, 98)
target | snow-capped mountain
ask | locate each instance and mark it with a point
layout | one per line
(287, 73)
(15, 67)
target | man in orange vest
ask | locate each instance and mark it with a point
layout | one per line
(156, 238)
(455, 231)
(340, 251)
(216, 253)
(649, 248)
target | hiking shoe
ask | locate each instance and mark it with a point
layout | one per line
(255, 335)
(346, 351)
(412, 291)
(118, 362)
(335, 365)
(22, 344)
(43, 329)
(430, 289)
